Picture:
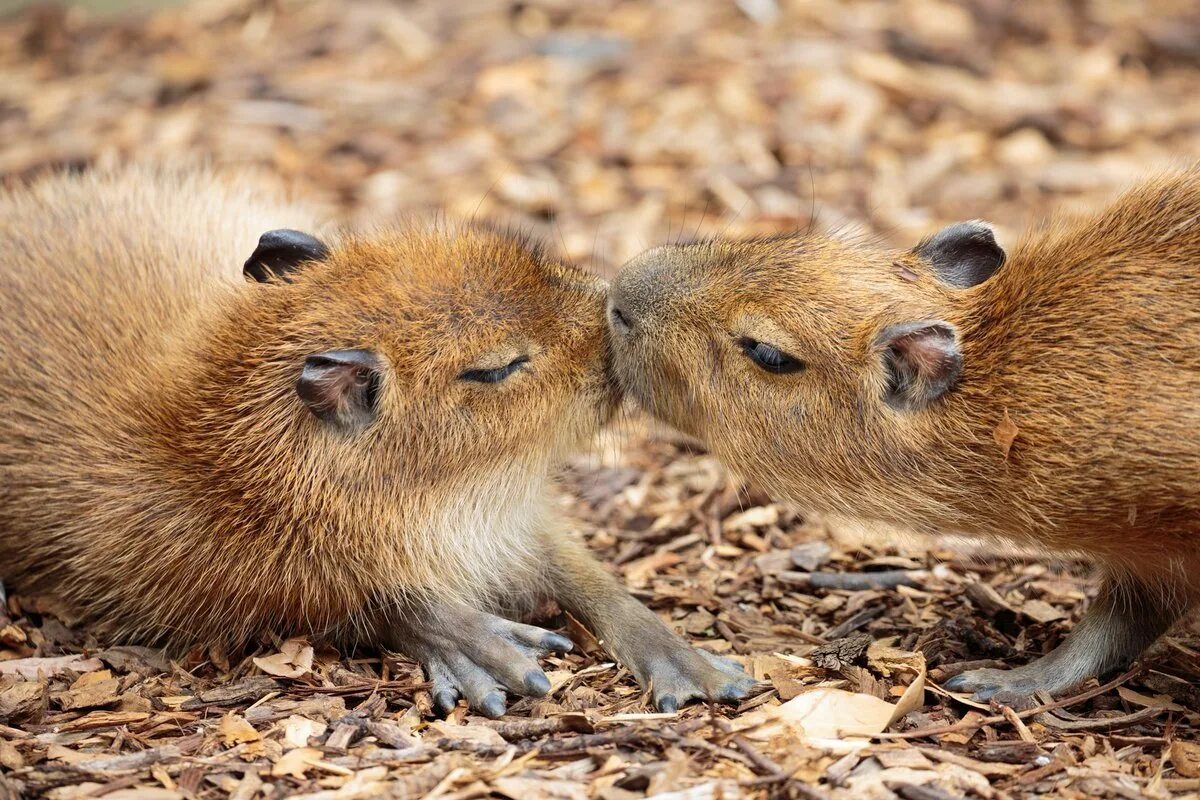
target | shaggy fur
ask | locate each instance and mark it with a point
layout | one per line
(1087, 339)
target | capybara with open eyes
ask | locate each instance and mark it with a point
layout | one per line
(347, 437)
(1049, 398)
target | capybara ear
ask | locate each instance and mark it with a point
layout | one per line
(963, 254)
(922, 361)
(341, 387)
(282, 252)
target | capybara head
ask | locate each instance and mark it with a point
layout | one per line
(803, 361)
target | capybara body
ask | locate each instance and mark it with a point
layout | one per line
(1050, 397)
(356, 444)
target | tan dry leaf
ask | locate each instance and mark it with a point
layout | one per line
(1149, 701)
(97, 695)
(236, 730)
(144, 793)
(522, 788)
(90, 678)
(298, 730)
(886, 659)
(751, 518)
(639, 572)
(296, 763)
(29, 668)
(294, 659)
(91, 690)
(582, 637)
(821, 713)
(1005, 434)
(558, 678)
(963, 736)
(478, 734)
(713, 790)
(1186, 758)
(1041, 611)
(912, 699)
(56, 752)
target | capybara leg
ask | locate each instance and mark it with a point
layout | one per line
(1125, 619)
(662, 662)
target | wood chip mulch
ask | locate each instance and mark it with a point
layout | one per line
(607, 127)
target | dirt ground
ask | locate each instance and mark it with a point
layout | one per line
(607, 127)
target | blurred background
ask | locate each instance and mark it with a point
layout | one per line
(610, 126)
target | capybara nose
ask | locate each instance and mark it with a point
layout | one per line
(618, 321)
(637, 296)
(628, 300)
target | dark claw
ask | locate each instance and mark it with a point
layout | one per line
(557, 643)
(734, 691)
(492, 706)
(668, 704)
(445, 700)
(536, 683)
(956, 684)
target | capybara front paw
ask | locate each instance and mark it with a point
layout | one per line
(676, 674)
(484, 659)
(1011, 687)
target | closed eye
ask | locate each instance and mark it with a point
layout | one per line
(769, 357)
(496, 374)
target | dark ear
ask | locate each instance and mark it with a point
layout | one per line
(964, 254)
(281, 252)
(341, 387)
(922, 362)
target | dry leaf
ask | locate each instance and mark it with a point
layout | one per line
(637, 573)
(1156, 701)
(30, 668)
(144, 793)
(712, 790)
(584, 639)
(298, 730)
(751, 518)
(1005, 433)
(91, 690)
(478, 734)
(520, 788)
(294, 659)
(296, 763)
(1186, 758)
(963, 736)
(886, 659)
(56, 752)
(236, 730)
(823, 713)
(913, 697)
(1041, 611)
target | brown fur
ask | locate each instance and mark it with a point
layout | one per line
(159, 472)
(1088, 339)
(164, 477)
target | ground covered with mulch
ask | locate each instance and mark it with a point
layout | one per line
(605, 128)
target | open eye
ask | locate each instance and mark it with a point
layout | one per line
(496, 374)
(769, 357)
